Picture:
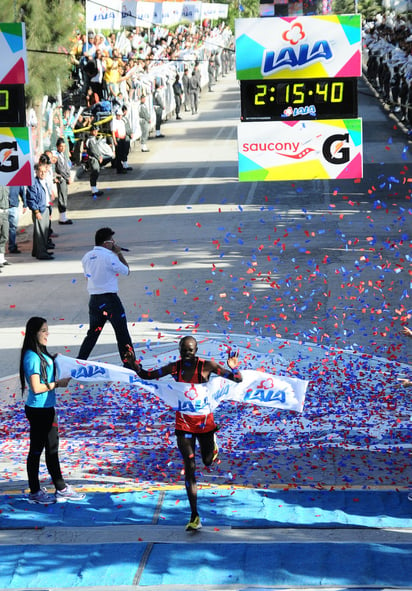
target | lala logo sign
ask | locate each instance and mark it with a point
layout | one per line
(191, 393)
(297, 111)
(125, 12)
(266, 392)
(297, 54)
(88, 371)
(103, 15)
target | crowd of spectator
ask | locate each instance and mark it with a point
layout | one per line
(124, 87)
(111, 75)
(388, 43)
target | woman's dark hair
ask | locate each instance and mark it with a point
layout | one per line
(30, 343)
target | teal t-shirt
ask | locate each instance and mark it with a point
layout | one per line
(31, 364)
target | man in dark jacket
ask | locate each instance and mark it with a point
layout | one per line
(37, 201)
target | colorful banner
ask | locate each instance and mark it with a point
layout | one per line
(16, 167)
(116, 14)
(298, 47)
(300, 150)
(256, 387)
(13, 63)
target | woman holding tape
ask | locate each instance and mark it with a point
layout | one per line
(38, 370)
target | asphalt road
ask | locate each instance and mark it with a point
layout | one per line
(322, 262)
(308, 277)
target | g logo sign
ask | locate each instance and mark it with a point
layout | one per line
(9, 158)
(333, 150)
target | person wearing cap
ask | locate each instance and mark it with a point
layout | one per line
(102, 266)
(88, 45)
(119, 140)
(95, 159)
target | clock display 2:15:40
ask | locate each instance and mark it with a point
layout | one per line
(298, 93)
(276, 99)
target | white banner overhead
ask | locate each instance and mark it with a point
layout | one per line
(256, 387)
(145, 13)
(171, 12)
(116, 14)
(103, 15)
(129, 13)
(213, 11)
(192, 11)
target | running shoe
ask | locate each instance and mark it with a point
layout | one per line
(69, 494)
(194, 525)
(41, 497)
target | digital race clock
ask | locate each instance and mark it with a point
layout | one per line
(12, 106)
(311, 98)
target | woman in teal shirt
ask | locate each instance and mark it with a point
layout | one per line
(37, 369)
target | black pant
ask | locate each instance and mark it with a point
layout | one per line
(103, 307)
(94, 171)
(158, 113)
(178, 101)
(121, 152)
(186, 442)
(43, 435)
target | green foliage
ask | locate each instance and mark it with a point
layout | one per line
(343, 7)
(250, 10)
(49, 30)
(367, 8)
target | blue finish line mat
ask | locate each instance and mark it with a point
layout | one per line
(317, 564)
(234, 507)
(217, 564)
(138, 562)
